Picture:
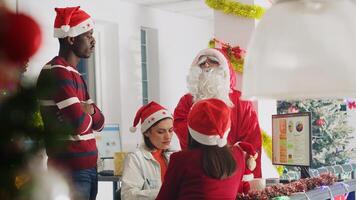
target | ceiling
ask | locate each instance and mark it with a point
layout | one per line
(195, 8)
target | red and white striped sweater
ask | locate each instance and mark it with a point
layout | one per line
(64, 101)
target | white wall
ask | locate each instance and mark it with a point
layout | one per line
(179, 37)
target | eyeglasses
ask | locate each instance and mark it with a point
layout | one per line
(208, 61)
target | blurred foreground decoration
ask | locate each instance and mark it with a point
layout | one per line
(23, 174)
(302, 49)
(23, 138)
(20, 38)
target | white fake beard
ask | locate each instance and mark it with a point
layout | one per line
(209, 84)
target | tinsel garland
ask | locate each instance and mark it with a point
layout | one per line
(280, 190)
(236, 8)
(236, 54)
(267, 146)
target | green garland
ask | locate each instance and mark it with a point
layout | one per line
(236, 8)
(237, 64)
(267, 146)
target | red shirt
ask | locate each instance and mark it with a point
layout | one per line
(185, 178)
(69, 89)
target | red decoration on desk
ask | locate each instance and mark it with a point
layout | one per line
(301, 185)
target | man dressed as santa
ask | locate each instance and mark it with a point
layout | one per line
(211, 76)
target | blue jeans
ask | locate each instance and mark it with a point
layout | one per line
(86, 183)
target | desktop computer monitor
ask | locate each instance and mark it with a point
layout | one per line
(291, 139)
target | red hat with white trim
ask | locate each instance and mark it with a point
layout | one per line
(71, 22)
(209, 122)
(251, 154)
(148, 115)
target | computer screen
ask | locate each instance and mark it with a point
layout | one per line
(291, 139)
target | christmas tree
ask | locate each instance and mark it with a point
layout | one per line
(330, 131)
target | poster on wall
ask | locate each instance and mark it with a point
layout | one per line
(291, 139)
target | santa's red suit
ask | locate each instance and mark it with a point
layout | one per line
(245, 126)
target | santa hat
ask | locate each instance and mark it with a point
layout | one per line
(251, 154)
(71, 21)
(219, 56)
(209, 122)
(149, 114)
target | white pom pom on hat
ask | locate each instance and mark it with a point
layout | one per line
(251, 154)
(222, 142)
(251, 163)
(65, 28)
(133, 129)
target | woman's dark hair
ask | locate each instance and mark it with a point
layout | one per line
(147, 140)
(217, 162)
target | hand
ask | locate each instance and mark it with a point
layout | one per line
(87, 108)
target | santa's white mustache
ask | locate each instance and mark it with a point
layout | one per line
(212, 83)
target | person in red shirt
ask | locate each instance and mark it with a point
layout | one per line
(211, 76)
(210, 169)
(69, 103)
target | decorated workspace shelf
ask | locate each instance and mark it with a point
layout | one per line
(324, 192)
(321, 187)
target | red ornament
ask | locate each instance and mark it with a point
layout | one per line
(230, 51)
(293, 109)
(351, 105)
(320, 122)
(20, 36)
(238, 52)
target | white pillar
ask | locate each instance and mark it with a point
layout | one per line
(235, 31)
(238, 31)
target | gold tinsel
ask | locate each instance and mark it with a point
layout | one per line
(236, 8)
(267, 146)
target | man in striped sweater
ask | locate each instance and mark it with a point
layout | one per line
(69, 101)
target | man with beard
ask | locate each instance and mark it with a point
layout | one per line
(69, 102)
(211, 76)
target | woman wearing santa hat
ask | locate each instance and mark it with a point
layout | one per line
(209, 169)
(144, 169)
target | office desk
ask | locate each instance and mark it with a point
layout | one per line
(116, 183)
